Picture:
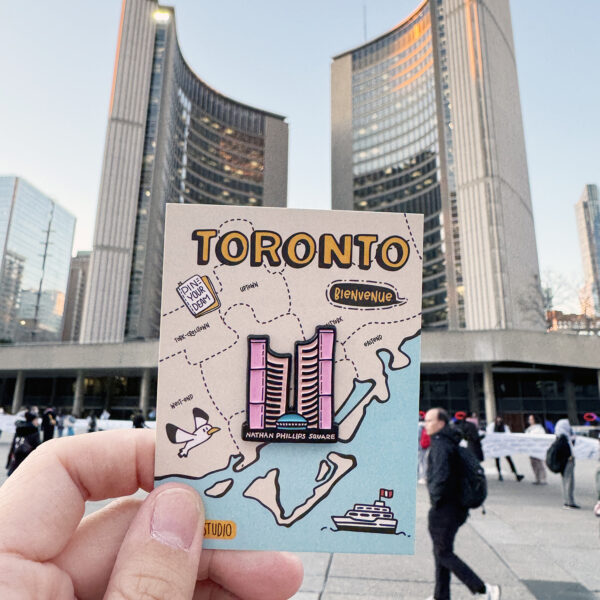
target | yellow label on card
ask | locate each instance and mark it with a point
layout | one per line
(219, 530)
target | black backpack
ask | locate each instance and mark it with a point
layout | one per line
(557, 454)
(473, 484)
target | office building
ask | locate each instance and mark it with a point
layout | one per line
(450, 141)
(426, 118)
(587, 212)
(314, 379)
(75, 296)
(582, 324)
(36, 239)
(170, 138)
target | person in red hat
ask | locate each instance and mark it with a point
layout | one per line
(470, 434)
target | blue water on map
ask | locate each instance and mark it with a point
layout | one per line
(391, 466)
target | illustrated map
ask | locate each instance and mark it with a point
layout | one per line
(289, 375)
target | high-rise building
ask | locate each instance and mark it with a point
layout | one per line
(426, 118)
(314, 379)
(75, 295)
(36, 239)
(587, 212)
(170, 138)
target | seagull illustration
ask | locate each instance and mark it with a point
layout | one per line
(202, 432)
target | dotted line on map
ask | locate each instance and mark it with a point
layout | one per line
(174, 310)
(380, 323)
(219, 410)
(217, 277)
(172, 355)
(256, 318)
(287, 286)
(285, 282)
(348, 359)
(219, 228)
(412, 237)
(236, 219)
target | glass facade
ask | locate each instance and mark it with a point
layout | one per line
(520, 390)
(199, 147)
(587, 212)
(37, 239)
(448, 144)
(396, 145)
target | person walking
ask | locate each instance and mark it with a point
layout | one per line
(138, 420)
(498, 426)
(70, 421)
(537, 464)
(446, 514)
(48, 423)
(564, 432)
(92, 422)
(60, 423)
(25, 441)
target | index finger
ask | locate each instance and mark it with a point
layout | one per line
(42, 503)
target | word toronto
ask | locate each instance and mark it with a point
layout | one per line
(300, 249)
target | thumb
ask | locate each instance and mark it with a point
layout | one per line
(160, 554)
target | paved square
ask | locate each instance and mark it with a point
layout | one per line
(525, 542)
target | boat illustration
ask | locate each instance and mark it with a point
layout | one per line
(368, 518)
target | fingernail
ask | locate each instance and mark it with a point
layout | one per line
(175, 518)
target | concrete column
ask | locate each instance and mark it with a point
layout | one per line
(109, 386)
(145, 392)
(17, 402)
(571, 400)
(488, 392)
(598, 378)
(79, 398)
(473, 398)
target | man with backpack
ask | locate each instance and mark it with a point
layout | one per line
(450, 506)
(560, 459)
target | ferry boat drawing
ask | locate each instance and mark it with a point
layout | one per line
(369, 518)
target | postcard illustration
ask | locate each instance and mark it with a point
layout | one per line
(289, 375)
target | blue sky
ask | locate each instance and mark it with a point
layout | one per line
(58, 58)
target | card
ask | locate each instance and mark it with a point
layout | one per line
(288, 376)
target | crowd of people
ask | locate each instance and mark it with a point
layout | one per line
(442, 468)
(34, 427)
(450, 453)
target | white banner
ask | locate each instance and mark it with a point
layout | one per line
(494, 444)
(505, 444)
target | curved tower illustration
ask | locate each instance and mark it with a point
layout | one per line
(426, 118)
(170, 138)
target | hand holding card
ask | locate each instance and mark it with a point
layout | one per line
(131, 546)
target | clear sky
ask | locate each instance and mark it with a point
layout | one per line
(58, 57)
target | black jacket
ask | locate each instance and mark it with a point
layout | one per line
(563, 452)
(470, 433)
(24, 432)
(443, 468)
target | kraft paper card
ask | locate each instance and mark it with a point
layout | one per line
(289, 375)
